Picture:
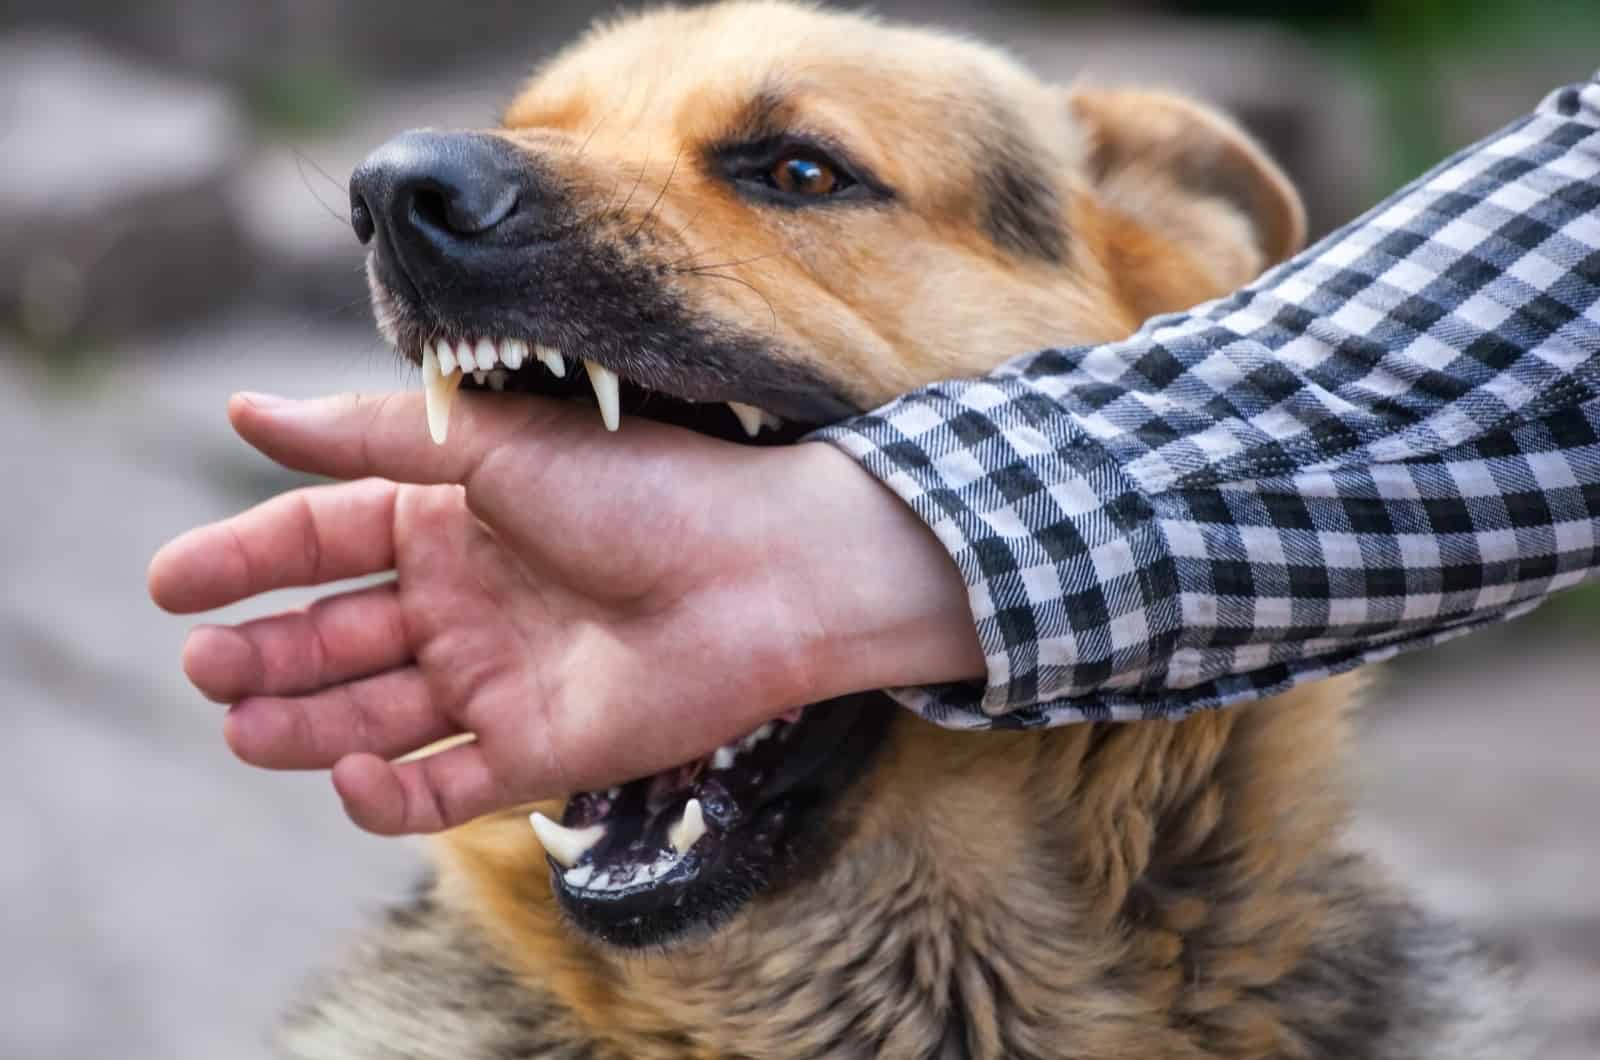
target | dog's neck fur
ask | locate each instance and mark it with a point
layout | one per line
(1178, 893)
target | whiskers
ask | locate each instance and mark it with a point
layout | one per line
(301, 161)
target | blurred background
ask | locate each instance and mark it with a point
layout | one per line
(173, 227)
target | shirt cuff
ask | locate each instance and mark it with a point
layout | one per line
(1071, 586)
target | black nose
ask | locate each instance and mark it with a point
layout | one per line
(433, 195)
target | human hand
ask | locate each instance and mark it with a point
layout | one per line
(593, 607)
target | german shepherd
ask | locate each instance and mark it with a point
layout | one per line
(754, 219)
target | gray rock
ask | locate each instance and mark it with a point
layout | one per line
(115, 199)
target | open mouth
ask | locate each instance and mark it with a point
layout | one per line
(645, 862)
(523, 366)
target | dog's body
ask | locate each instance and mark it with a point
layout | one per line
(1152, 890)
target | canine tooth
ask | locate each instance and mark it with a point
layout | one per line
(439, 393)
(750, 417)
(607, 391)
(486, 355)
(689, 828)
(480, 377)
(756, 737)
(566, 845)
(497, 379)
(447, 358)
(724, 757)
(512, 353)
(552, 360)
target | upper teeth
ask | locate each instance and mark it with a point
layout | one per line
(552, 360)
(445, 364)
(439, 388)
(607, 392)
(726, 755)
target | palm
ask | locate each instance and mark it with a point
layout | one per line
(516, 614)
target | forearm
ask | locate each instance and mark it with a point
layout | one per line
(1124, 529)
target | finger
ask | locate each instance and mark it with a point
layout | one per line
(355, 435)
(430, 795)
(387, 715)
(338, 638)
(306, 537)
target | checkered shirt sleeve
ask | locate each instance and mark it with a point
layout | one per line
(1390, 439)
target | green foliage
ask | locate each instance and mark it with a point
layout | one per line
(306, 97)
(1402, 48)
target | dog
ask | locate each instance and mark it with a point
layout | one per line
(754, 219)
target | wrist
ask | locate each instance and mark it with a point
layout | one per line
(876, 599)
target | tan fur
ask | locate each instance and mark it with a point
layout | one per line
(1133, 891)
(1006, 857)
(887, 300)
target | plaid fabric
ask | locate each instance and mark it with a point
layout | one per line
(1392, 438)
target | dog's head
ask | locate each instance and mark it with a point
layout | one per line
(754, 219)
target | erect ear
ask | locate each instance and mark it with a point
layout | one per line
(1189, 176)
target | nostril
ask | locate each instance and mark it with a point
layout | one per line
(429, 206)
(462, 211)
(425, 195)
(361, 220)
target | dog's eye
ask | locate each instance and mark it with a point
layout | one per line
(806, 175)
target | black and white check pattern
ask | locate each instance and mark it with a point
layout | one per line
(1388, 440)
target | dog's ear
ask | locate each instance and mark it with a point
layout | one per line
(1190, 178)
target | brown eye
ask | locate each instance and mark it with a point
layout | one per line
(800, 175)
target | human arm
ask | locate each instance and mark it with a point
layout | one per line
(1388, 440)
(592, 607)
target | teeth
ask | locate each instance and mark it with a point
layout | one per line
(689, 829)
(480, 377)
(497, 379)
(439, 393)
(724, 757)
(749, 416)
(486, 355)
(447, 358)
(566, 845)
(607, 393)
(551, 359)
(513, 352)
(756, 737)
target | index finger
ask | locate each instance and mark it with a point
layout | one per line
(354, 435)
(305, 537)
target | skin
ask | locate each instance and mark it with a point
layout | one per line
(586, 635)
